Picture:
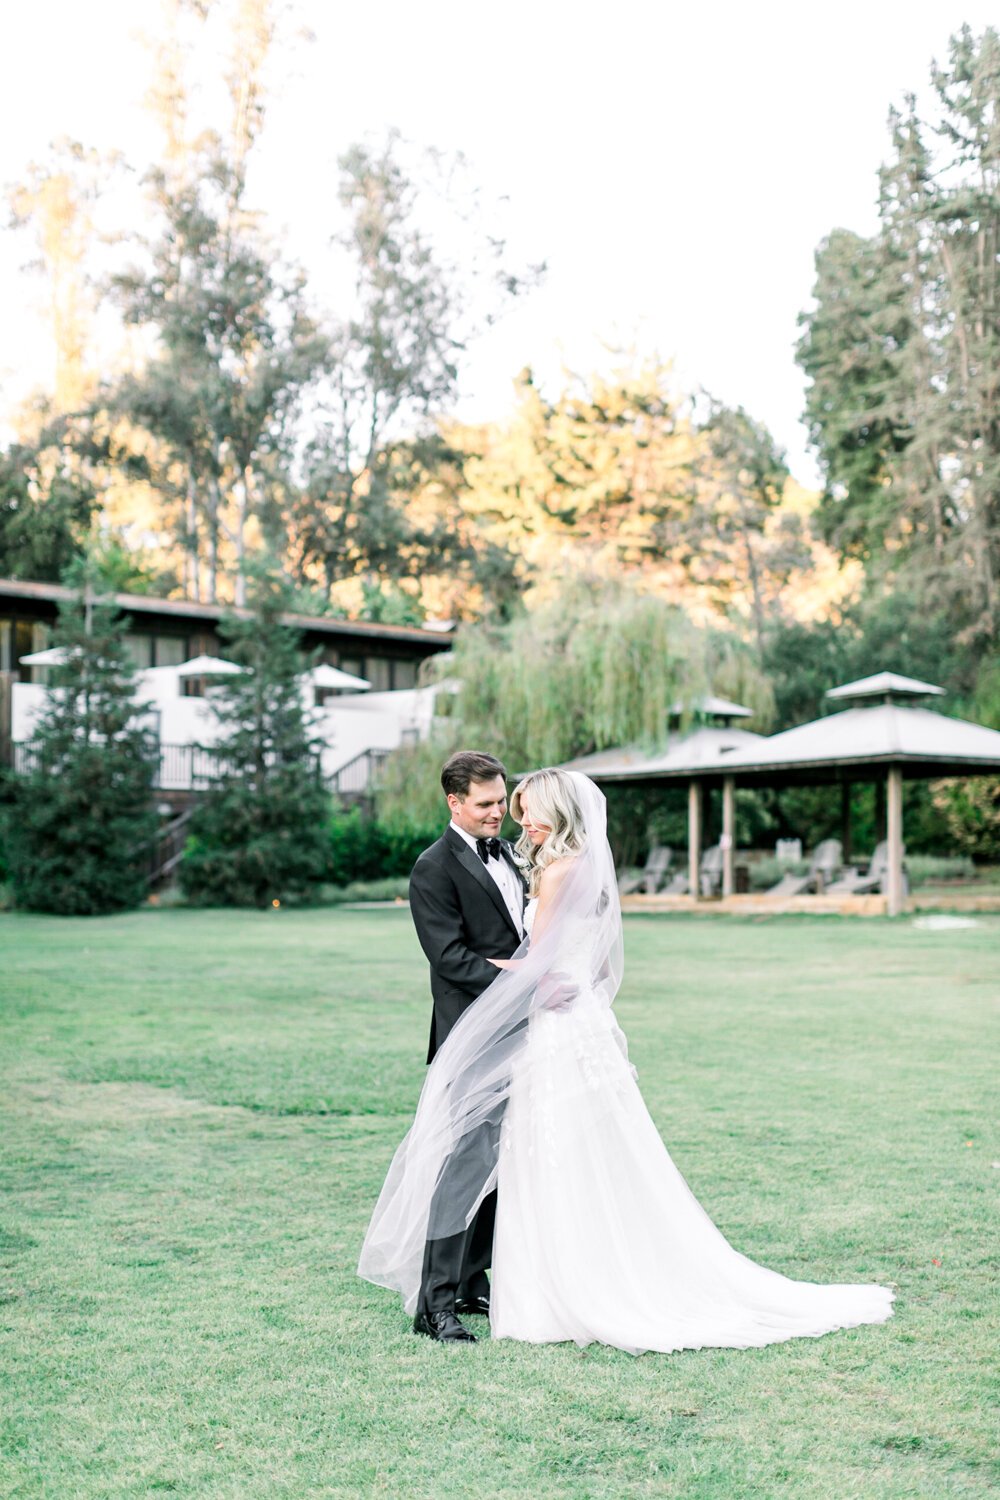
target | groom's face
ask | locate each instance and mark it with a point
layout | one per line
(481, 811)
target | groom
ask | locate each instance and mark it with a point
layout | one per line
(467, 901)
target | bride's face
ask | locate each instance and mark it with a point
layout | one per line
(537, 832)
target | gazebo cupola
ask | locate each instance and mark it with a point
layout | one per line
(885, 687)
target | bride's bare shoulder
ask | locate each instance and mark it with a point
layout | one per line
(554, 874)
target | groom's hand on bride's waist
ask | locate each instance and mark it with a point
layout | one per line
(557, 991)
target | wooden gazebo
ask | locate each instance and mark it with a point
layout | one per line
(884, 735)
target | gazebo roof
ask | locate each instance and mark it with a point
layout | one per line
(704, 747)
(887, 685)
(840, 747)
(925, 743)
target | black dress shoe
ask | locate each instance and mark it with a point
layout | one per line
(444, 1327)
(476, 1305)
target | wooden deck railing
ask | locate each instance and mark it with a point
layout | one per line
(195, 768)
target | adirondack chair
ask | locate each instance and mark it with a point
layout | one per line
(709, 875)
(824, 865)
(710, 871)
(652, 876)
(875, 878)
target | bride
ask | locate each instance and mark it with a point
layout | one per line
(598, 1237)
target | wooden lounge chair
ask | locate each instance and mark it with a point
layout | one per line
(709, 875)
(824, 865)
(710, 871)
(651, 877)
(875, 878)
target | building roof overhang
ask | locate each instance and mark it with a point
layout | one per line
(211, 614)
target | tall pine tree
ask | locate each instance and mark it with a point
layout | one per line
(81, 818)
(903, 352)
(260, 834)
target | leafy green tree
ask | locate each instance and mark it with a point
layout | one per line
(848, 351)
(393, 368)
(51, 491)
(259, 835)
(80, 817)
(903, 353)
(970, 807)
(235, 350)
(733, 546)
(880, 631)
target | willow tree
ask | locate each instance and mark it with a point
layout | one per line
(595, 667)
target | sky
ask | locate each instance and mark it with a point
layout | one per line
(675, 165)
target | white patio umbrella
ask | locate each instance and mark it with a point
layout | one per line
(325, 676)
(54, 656)
(207, 666)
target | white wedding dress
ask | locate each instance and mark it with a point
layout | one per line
(598, 1237)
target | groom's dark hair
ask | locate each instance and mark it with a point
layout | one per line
(466, 766)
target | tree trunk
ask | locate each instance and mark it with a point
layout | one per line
(241, 493)
(192, 587)
(213, 540)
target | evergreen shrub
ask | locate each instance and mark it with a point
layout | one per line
(80, 820)
(259, 835)
(366, 849)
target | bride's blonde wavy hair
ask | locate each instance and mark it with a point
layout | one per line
(553, 803)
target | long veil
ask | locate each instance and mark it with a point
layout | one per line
(448, 1160)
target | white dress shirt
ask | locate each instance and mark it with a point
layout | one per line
(504, 878)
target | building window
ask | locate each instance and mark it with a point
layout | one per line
(353, 664)
(378, 672)
(169, 650)
(140, 648)
(19, 638)
(24, 645)
(404, 674)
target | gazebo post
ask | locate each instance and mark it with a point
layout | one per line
(694, 837)
(845, 821)
(728, 840)
(894, 833)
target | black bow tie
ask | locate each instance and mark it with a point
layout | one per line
(488, 848)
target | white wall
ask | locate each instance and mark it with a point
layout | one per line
(348, 724)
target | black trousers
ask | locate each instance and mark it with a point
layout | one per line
(455, 1264)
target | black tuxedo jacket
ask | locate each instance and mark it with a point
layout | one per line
(461, 921)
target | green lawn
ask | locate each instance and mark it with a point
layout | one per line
(198, 1112)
